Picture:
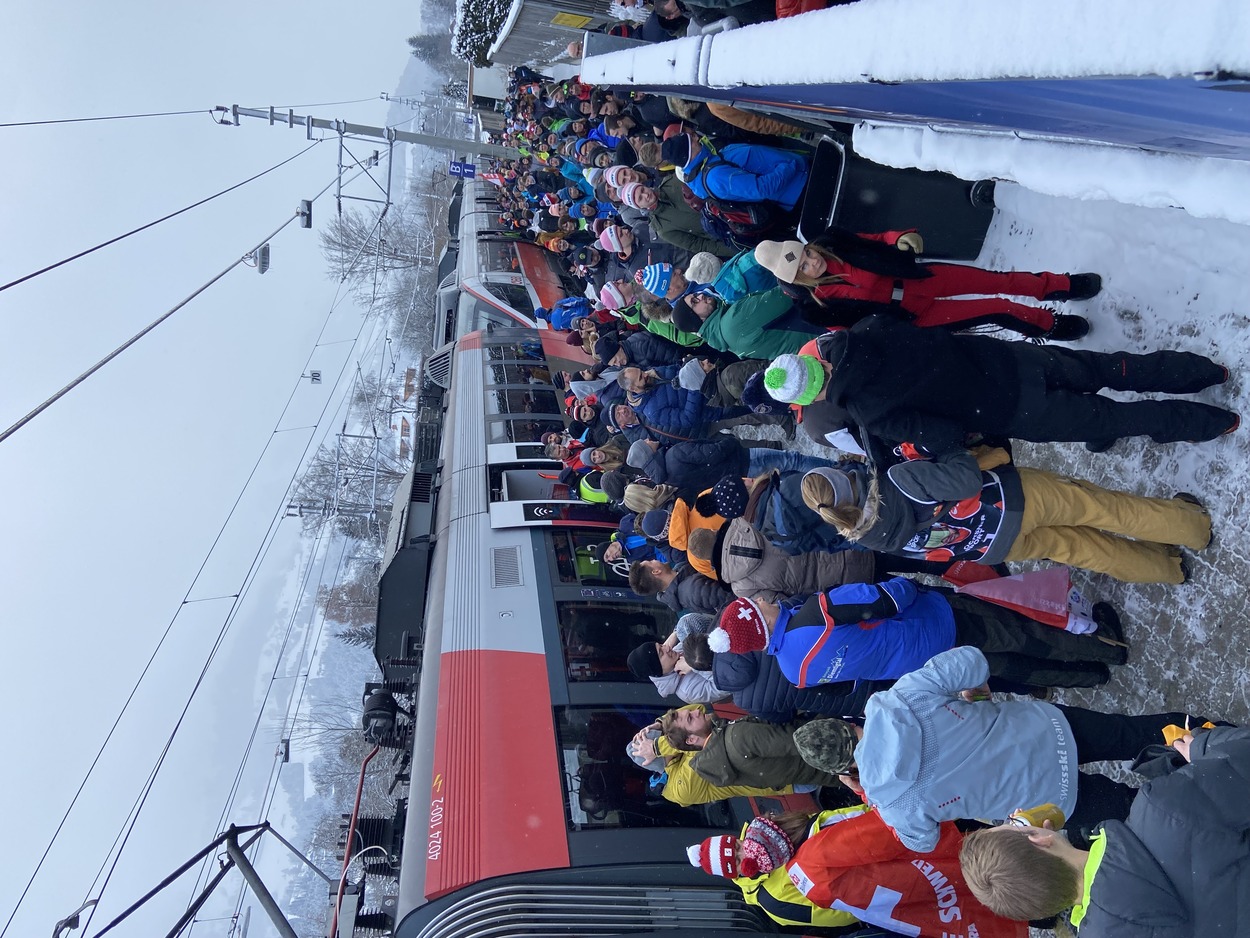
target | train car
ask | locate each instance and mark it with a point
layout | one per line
(500, 278)
(509, 637)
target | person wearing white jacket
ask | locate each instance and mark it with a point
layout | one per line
(936, 747)
(662, 663)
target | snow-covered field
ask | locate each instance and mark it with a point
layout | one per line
(1170, 281)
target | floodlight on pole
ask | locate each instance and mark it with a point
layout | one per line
(259, 258)
(71, 921)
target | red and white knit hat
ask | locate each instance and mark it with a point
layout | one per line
(629, 193)
(715, 856)
(613, 176)
(742, 629)
(610, 239)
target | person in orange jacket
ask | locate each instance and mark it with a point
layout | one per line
(835, 868)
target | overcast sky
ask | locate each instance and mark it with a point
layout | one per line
(115, 495)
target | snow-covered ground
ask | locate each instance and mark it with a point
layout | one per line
(1171, 281)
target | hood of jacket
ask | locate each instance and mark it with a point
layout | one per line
(893, 733)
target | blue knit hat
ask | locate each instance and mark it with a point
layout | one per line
(655, 278)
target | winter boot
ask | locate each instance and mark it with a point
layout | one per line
(1067, 328)
(1110, 628)
(1190, 498)
(1110, 631)
(1080, 287)
(1101, 446)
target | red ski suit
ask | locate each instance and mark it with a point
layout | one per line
(857, 865)
(927, 299)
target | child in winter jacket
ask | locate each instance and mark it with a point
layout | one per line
(881, 631)
(1178, 866)
(851, 276)
(835, 868)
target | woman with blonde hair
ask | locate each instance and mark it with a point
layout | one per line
(851, 276)
(642, 498)
(982, 508)
(611, 455)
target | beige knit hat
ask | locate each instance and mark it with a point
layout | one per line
(782, 258)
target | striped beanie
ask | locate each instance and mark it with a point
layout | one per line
(610, 240)
(610, 296)
(715, 856)
(629, 193)
(795, 379)
(765, 846)
(655, 278)
(614, 175)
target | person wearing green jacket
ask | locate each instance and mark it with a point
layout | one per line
(672, 219)
(756, 326)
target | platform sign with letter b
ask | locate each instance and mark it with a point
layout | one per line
(461, 169)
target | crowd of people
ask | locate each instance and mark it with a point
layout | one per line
(925, 702)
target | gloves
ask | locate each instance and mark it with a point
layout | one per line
(910, 242)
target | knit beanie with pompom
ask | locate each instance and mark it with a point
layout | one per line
(795, 379)
(741, 630)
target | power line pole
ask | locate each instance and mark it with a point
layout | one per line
(386, 134)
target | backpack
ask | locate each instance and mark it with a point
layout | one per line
(737, 224)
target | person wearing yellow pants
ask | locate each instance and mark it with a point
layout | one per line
(979, 507)
(1084, 525)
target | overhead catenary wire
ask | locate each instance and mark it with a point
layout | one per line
(237, 598)
(173, 619)
(152, 224)
(128, 343)
(110, 117)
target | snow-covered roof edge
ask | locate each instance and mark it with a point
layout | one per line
(1203, 187)
(947, 40)
(514, 12)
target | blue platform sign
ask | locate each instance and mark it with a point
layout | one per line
(463, 170)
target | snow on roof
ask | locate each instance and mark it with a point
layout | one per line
(933, 40)
(1204, 187)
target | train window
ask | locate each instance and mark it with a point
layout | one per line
(520, 401)
(576, 555)
(486, 315)
(499, 255)
(515, 296)
(603, 786)
(597, 636)
(519, 374)
(520, 431)
(527, 351)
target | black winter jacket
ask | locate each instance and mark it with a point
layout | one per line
(696, 465)
(648, 350)
(693, 592)
(1179, 866)
(759, 688)
(928, 386)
